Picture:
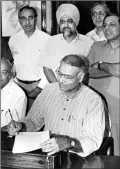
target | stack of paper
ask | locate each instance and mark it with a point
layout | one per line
(29, 141)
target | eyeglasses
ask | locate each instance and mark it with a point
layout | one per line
(69, 21)
(66, 77)
(100, 14)
(24, 19)
(5, 73)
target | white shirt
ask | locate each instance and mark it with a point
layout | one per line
(57, 47)
(92, 34)
(26, 52)
(13, 98)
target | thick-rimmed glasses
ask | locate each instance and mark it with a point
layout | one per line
(66, 77)
(100, 14)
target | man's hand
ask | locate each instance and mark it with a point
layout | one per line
(14, 130)
(56, 144)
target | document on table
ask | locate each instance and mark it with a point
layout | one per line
(29, 141)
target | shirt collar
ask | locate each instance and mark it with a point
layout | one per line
(94, 31)
(95, 34)
(75, 95)
(107, 43)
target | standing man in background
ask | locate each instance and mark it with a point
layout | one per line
(98, 13)
(105, 72)
(26, 47)
(68, 42)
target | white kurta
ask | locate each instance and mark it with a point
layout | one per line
(26, 53)
(13, 98)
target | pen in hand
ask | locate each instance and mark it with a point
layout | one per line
(13, 122)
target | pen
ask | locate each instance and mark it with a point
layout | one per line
(13, 121)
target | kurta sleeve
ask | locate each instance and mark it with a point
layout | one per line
(34, 121)
(93, 127)
(20, 108)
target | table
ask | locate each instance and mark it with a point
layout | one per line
(60, 160)
(73, 161)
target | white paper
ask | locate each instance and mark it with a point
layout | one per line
(29, 141)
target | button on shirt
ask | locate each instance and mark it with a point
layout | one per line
(109, 87)
(57, 47)
(13, 98)
(26, 52)
(81, 117)
(92, 34)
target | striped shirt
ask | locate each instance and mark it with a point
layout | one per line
(81, 117)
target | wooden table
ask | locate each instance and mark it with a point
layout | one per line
(61, 160)
(72, 162)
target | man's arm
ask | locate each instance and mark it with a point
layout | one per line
(93, 127)
(60, 142)
(34, 120)
(35, 92)
(49, 75)
(96, 73)
(20, 108)
(111, 68)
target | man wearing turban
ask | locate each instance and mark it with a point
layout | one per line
(69, 41)
(69, 10)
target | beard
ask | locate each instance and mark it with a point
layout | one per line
(67, 32)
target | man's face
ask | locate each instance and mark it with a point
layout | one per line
(111, 28)
(67, 26)
(98, 15)
(5, 74)
(68, 77)
(27, 20)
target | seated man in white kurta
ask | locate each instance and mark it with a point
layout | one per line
(13, 97)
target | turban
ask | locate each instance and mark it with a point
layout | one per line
(69, 10)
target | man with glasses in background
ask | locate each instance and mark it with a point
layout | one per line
(26, 47)
(13, 98)
(71, 111)
(98, 13)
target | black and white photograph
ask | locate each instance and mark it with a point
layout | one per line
(60, 74)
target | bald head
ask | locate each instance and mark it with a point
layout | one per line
(6, 64)
(6, 72)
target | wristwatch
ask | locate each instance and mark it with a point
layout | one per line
(99, 63)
